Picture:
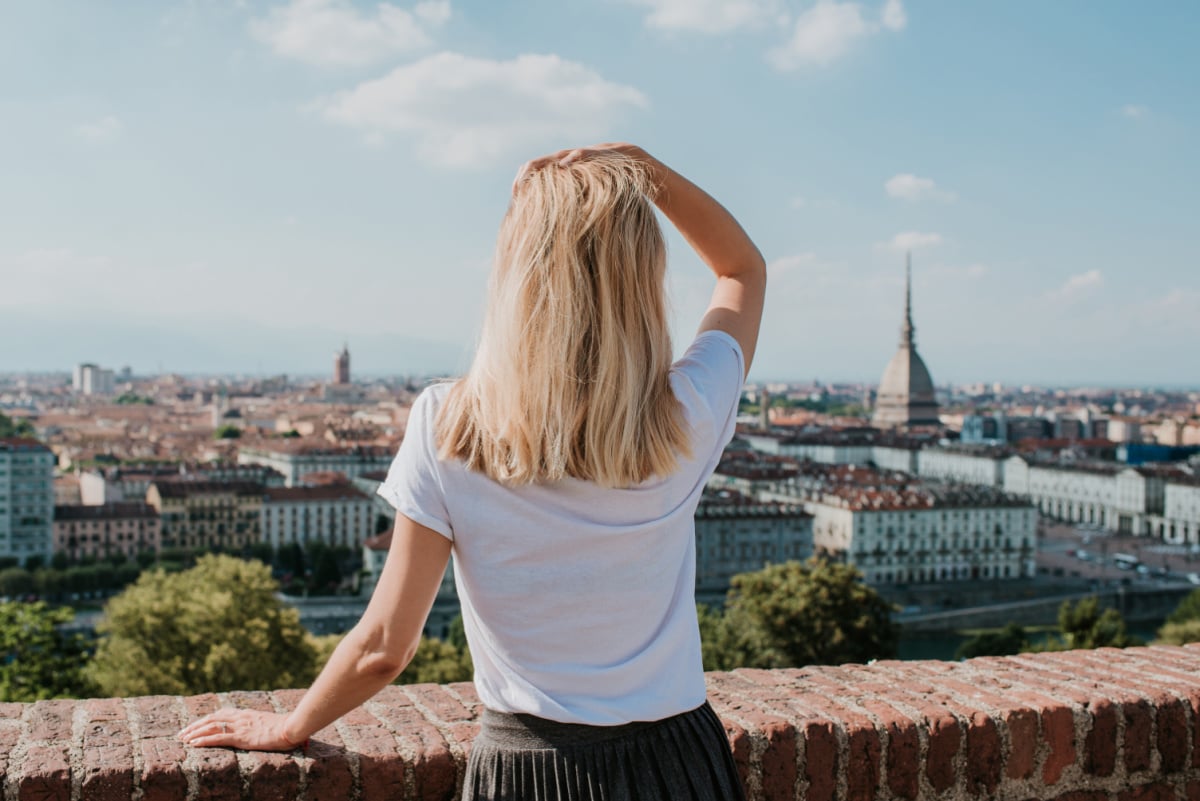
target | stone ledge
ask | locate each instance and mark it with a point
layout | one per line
(1104, 725)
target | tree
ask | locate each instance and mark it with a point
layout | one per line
(1188, 609)
(1179, 633)
(37, 660)
(15, 428)
(793, 614)
(227, 432)
(1002, 642)
(15, 582)
(1084, 625)
(213, 628)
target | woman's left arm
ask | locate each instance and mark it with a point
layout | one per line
(369, 658)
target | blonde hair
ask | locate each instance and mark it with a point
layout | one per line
(571, 374)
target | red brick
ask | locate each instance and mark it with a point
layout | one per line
(200, 705)
(51, 720)
(944, 737)
(271, 776)
(107, 756)
(1022, 724)
(984, 754)
(327, 773)
(1157, 791)
(11, 711)
(862, 762)
(381, 765)
(779, 759)
(258, 701)
(1058, 729)
(904, 748)
(1172, 736)
(740, 745)
(162, 769)
(1193, 791)
(288, 699)
(466, 691)
(820, 759)
(1100, 746)
(158, 715)
(45, 774)
(443, 706)
(1138, 726)
(219, 767)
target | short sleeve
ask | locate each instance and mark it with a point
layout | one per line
(414, 483)
(714, 371)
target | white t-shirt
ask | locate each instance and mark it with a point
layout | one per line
(578, 601)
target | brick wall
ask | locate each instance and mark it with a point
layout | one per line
(1076, 726)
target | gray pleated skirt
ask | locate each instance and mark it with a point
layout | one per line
(527, 758)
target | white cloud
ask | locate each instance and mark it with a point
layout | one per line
(709, 16)
(913, 240)
(907, 186)
(433, 12)
(1077, 284)
(334, 32)
(466, 111)
(826, 31)
(1134, 112)
(104, 128)
(893, 16)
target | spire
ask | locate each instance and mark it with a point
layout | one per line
(907, 330)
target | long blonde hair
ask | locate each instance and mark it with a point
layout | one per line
(571, 374)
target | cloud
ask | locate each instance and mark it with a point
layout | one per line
(913, 240)
(1134, 112)
(824, 33)
(709, 16)
(893, 17)
(1077, 284)
(335, 33)
(467, 112)
(98, 130)
(907, 186)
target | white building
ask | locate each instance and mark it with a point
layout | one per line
(296, 460)
(735, 534)
(90, 379)
(969, 464)
(899, 530)
(1181, 508)
(334, 514)
(26, 499)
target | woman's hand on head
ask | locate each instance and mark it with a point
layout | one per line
(565, 158)
(239, 728)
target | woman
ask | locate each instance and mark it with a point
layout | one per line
(563, 471)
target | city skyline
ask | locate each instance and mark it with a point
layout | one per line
(242, 186)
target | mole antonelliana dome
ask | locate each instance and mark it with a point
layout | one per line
(906, 396)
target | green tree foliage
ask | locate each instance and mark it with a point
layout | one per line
(1188, 609)
(1003, 642)
(213, 628)
(227, 432)
(37, 660)
(793, 614)
(15, 582)
(1179, 633)
(15, 428)
(1083, 625)
(1182, 625)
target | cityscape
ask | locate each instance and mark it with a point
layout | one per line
(944, 498)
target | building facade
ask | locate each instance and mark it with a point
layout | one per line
(736, 534)
(295, 461)
(333, 514)
(208, 514)
(26, 499)
(102, 531)
(906, 396)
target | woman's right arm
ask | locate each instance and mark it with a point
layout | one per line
(737, 301)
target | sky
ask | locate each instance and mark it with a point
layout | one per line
(220, 186)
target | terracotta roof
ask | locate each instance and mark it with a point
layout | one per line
(109, 511)
(324, 492)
